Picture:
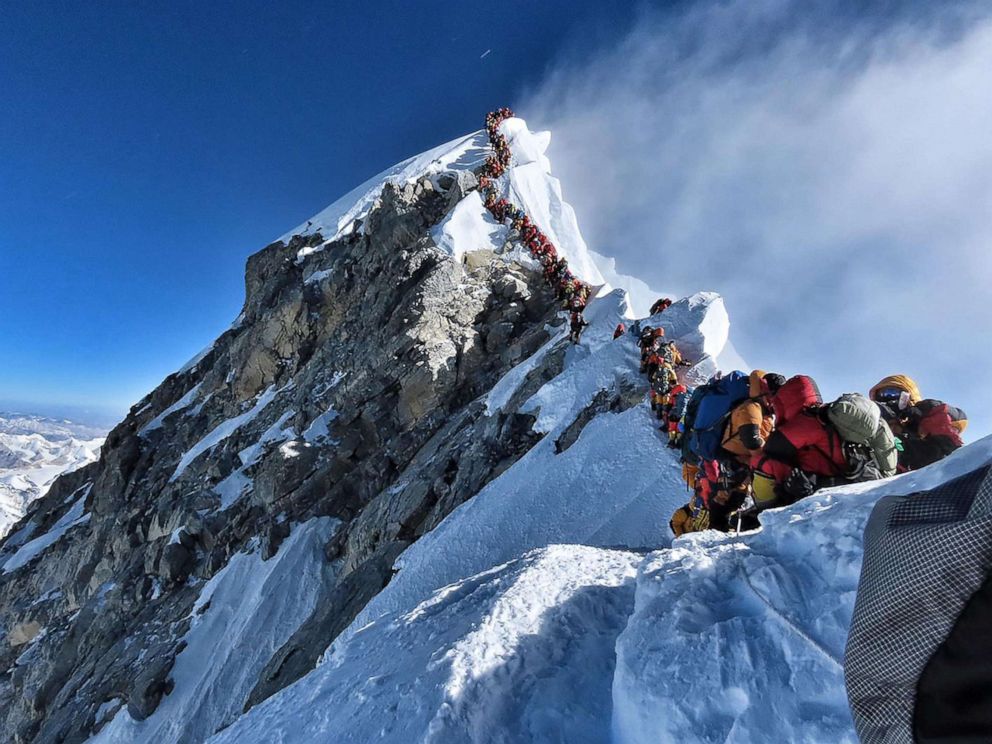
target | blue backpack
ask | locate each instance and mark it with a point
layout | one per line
(719, 400)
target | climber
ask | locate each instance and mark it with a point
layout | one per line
(644, 341)
(661, 305)
(578, 324)
(550, 268)
(651, 364)
(619, 331)
(668, 351)
(581, 290)
(727, 492)
(693, 517)
(655, 351)
(663, 380)
(796, 398)
(707, 413)
(869, 445)
(720, 490)
(928, 430)
(678, 400)
(751, 421)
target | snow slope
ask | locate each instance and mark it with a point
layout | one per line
(521, 652)
(718, 639)
(34, 451)
(465, 153)
(741, 638)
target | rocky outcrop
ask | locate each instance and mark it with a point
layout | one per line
(349, 387)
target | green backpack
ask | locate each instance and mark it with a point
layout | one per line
(859, 421)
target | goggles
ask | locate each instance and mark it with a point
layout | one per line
(888, 395)
(900, 398)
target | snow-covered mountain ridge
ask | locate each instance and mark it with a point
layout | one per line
(392, 503)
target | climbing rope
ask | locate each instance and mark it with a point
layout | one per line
(568, 288)
(785, 620)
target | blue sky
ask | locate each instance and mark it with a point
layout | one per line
(825, 167)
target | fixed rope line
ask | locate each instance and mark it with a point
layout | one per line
(785, 620)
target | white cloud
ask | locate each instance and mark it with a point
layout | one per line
(831, 178)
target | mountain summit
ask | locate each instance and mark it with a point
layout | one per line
(393, 502)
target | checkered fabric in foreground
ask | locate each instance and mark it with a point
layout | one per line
(925, 555)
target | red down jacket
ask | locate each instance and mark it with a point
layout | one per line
(941, 420)
(801, 438)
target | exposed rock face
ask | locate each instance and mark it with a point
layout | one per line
(349, 387)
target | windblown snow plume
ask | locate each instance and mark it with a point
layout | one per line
(827, 169)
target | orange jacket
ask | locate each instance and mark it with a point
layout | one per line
(751, 422)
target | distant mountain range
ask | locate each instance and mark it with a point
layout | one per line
(34, 450)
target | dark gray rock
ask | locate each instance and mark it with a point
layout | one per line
(175, 564)
(150, 684)
(605, 400)
(300, 654)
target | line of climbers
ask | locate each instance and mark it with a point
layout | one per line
(754, 441)
(660, 360)
(571, 291)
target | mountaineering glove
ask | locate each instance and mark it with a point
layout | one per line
(799, 485)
